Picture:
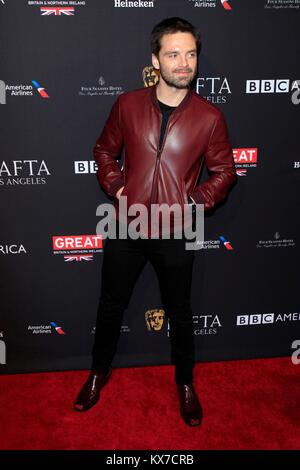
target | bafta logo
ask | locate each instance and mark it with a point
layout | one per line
(150, 76)
(154, 319)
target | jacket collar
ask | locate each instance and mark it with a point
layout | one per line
(181, 106)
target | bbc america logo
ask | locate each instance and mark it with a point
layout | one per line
(85, 167)
(255, 319)
(283, 85)
(266, 318)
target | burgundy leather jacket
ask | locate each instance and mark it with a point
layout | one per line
(196, 134)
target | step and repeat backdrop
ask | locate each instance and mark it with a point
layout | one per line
(62, 66)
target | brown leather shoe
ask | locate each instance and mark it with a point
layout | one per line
(190, 407)
(90, 392)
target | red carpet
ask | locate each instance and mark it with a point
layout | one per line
(252, 404)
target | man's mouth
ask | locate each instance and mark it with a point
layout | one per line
(183, 72)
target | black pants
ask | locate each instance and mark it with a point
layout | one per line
(123, 260)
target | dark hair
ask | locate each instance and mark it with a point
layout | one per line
(170, 26)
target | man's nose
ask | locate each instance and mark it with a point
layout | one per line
(183, 61)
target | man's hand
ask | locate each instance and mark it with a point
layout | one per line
(118, 194)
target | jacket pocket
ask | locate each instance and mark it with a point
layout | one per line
(124, 190)
(127, 191)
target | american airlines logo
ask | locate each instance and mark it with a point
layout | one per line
(57, 328)
(45, 329)
(215, 244)
(212, 4)
(283, 85)
(21, 90)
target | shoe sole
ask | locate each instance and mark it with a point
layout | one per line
(193, 422)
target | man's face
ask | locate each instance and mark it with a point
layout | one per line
(177, 59)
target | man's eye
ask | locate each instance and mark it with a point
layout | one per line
(172, 55)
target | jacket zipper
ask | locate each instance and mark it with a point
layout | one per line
(157, 164)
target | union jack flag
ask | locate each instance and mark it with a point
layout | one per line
(46, 11)
(241, 172)
(79, 258)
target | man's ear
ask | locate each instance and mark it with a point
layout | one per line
(155, 62)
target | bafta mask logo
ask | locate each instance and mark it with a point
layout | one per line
(155, 319)
(150, 76)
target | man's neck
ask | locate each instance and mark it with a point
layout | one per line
(170, 95)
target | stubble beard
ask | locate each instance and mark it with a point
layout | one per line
(181, 82)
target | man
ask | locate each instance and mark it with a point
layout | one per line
(168, 132)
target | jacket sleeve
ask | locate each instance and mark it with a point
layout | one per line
(107, 150)
(220, 163)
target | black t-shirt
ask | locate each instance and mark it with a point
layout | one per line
(166, 111)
